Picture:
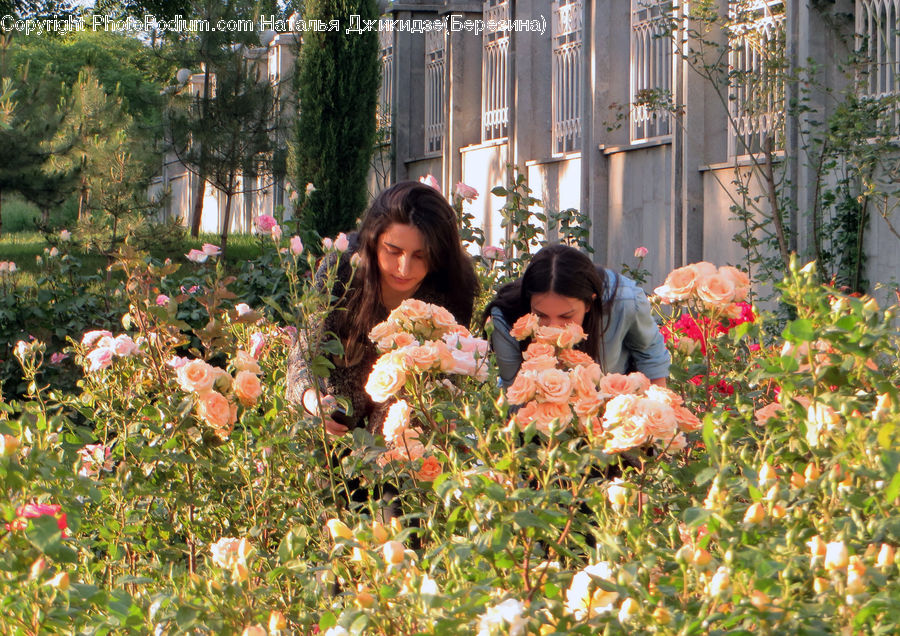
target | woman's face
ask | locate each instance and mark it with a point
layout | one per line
(402, 261)
(557, 311)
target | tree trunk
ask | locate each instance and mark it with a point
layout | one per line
(1, 213)
(227, 221)
(200, 190)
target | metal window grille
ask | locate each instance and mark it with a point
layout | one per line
(878, 30)
(651, 69)
(567, 72)
(494, 107)
(434, 91)
(756, 64)
(386, 92)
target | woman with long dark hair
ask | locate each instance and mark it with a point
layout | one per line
(409, 247)
(561, 285)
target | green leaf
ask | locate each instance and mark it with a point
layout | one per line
(893, 489)
(800, 330)
(525, 519)
(45, 535)
(328, 620)
(709, 437)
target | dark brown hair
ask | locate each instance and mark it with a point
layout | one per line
(563, 270)
(451, 275)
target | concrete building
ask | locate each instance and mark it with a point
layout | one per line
(604, 106)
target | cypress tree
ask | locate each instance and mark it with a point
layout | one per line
(338, 75)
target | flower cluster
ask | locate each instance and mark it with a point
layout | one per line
(34, 511)
(94, 458)
(689, 331)
(201, 255)
(714, 287)
(557, 384)
(103, 348)
(418, 337)
(211, 385)
(7, 267)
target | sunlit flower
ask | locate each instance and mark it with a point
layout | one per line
(496, 618)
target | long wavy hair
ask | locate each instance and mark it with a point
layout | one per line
(563, 270)
(451, 274)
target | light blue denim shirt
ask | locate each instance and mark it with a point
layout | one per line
(632, 341)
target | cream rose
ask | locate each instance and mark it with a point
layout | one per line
(247, 387)
(387, 377)
(396, 421)
(630, 433)
(243, 361)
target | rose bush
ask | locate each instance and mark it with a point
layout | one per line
(177, 491)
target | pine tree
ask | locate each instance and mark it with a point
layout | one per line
(338, 75)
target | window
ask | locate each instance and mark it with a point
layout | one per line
(494, 108)
(386, 93)
(756, 67)
(434, 91)
(651, 70)
(567, 75)
(878, 29)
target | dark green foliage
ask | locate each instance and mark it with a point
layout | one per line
(337, 82)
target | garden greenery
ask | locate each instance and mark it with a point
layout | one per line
(174, 489)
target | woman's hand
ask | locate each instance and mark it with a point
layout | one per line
(328, 404)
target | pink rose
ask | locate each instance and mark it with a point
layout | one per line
(176, 362)
(211, 250)
(327, 243)
(65, 235)
(257, 342)
(465, 192)
(464, 363)
(430, 469)
(100, 358)
(641, 252)
(296, 246)
(265, 223)
(33, 511)
(89, 338)
(124, 345)
(247, 388)
(276, 232)
(197, 376)
(196, 256)
(94, 458)
(58, 357)
(430, 181)
(493, 253)
(162, 300)
(341, 243)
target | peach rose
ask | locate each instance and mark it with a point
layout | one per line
(548, 412)
(764, 414)
(586, 379)
(659, 418)
(387, 377)
(525, 327)
(422, 358)
(522, 389)
(616, 384)
(587, 405)
(573, 358)
(216, 411)
(679, 285)
(396, 421)
(538, 349)
(196, 376)
(676, 444)
(410, 311)
(639, 382)
(396, 340)
(554, 385)
(442, 319)
(571, 335)
(739, 279)
(430, 469)
(716, 290)
(381, 331)
(243, 361)
(247, 387)
(687, 421)
(525, 415)
(703, 268)
(548, 333)
(409, 447)
(539, 363)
